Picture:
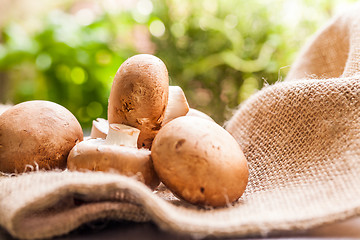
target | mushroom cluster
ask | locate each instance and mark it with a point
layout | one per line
(140, 103)
(153, 135)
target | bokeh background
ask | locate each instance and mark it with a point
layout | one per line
(219, 52)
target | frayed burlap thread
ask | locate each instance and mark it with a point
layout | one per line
(301, 138)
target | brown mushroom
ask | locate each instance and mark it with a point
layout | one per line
(118, 153)
(177, 106)
(37, 134)
(139, 96)
(200, 162)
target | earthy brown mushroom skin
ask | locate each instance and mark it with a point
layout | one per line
(37, 133)
(200, 162)
(139, 96)
(95, 155)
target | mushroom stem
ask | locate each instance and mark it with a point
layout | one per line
(177, 104)
(196, 113)
(99, 128)
(123, 135)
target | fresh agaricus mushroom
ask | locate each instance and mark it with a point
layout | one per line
(139, 96)
(37, 134)
(177, 104)
(196, 113)
(118, 153)
(100, 128)
(200, 162)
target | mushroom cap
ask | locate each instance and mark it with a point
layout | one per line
(95, 155)
(37, 133)
(139, 96)
(200, 162)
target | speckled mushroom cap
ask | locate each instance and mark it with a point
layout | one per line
(139, 96)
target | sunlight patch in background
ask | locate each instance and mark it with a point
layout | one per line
(219, 52)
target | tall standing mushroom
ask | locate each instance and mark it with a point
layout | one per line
(139, 96)
(177, 106)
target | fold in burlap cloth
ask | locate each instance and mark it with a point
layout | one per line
(301, 138)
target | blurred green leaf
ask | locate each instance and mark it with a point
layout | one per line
(219, 52)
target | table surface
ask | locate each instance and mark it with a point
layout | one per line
(111, 230)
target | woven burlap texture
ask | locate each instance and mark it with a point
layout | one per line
(301, 138)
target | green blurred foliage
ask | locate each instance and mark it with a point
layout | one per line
(219, 52)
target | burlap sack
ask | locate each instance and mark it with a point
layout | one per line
(301, 138)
